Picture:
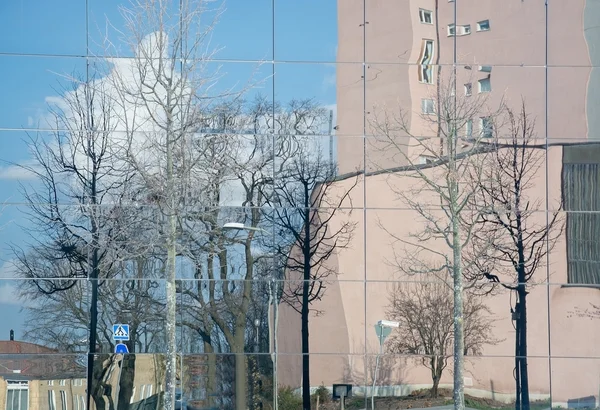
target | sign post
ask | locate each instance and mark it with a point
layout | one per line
(120, 334)
(121, 348)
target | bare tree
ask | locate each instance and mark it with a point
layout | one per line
(445, 182)
(426, 313)
(164, 93)
(75, 203)
(304, 203)
(516, 220)
(243, 154)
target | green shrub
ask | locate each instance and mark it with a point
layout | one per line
(289, 400)
(322, 393)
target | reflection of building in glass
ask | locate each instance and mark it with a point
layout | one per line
(500, 53)
(34, 377)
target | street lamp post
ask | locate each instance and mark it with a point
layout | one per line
(383, 328)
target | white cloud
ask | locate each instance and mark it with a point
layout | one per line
(9, 295)
(16, 173)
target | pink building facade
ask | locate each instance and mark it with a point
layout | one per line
(389, 59)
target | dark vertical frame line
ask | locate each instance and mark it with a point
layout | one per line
(364, 132)
(547, 204)
(91, 331)
(275, 284)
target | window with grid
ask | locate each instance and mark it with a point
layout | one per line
(425, 62)
(581, 199)
(17, 395)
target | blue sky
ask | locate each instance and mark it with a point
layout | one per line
(41, 41)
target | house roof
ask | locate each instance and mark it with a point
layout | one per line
(14, 346)
(27, 361)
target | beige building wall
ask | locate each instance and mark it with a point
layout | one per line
(358, 298)
(390, 46)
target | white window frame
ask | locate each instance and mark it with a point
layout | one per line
(62, 382)
(468, 89)
(17, 386)
(142, 392)
(76, 402)
(82, 402)
(486, 22)
(485, 68)
(63, 400)
(484, 80)
(469, 128)
(459, 30)
(427, 106)
(423, 13)
(148, 390)
(51, 400)
(425, 62)
(482, 127)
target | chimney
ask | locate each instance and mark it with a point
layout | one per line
(12, 334)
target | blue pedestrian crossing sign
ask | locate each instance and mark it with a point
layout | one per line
(121, 348)
(120, 332)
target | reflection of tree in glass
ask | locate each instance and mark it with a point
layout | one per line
(425, 311)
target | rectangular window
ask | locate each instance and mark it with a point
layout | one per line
(485, 85)
(485, 68)
(483, 25)
(461, 30)
(424, 159)
(142, 392)
(487, 127)
(427, 106)
(17, 395)
(132, 399)
(581, 199)
(50, 382)
(149, 390)
(51, 400)
(76, 402)
(468, 89)
(425, 62)
(63, 400)
(469, 129)
(82, 403)
(62, 382)
(425, 16)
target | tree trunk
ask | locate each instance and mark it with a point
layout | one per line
(211, 383)
(459, 342)
(522, 325)
(437, 367)
(93, 314)
(517, 364)
(434, 388)
(305, 308)
(171, 292)
(171, 359)
(97, 389)
(241, 380)
(459, 336)
(126, 381)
